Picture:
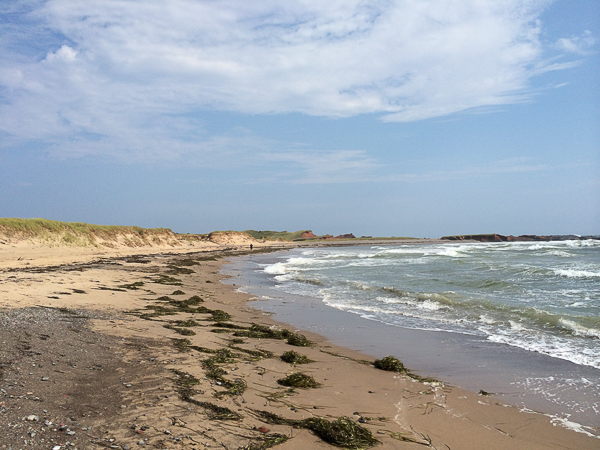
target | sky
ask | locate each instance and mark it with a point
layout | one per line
(417, 118)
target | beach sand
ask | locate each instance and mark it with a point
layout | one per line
(86, 359)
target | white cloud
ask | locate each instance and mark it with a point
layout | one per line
(122, 65)
(342, 166)
(577, 44)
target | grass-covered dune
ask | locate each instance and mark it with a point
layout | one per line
(52, 232)
(278, 235)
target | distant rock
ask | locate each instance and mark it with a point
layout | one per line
(342, 236)
(522, 238)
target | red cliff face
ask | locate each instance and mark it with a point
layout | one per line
(308, 235)
(342, 236)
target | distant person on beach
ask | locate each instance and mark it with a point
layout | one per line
(250, 246)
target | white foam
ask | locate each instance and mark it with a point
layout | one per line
(574, 426)
(579, 330)
(551, 346)
(452, 252)
(431, 306)
(572, 273)
(486, 319)
(276, 269)
(516, 326)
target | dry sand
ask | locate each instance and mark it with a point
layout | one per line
(85, 355)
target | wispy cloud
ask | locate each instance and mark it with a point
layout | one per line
(121, 78)
(493, 168)
(577, 44)
(324, 167)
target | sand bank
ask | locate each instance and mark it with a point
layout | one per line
(133, 350)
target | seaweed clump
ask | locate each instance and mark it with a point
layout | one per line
(184, 383)
(298, 340)
(215, 373)
(299, 380)
(220, 316)
(132, 286)
(262, 331)
(391, 364)
(270, 440)
(215, 412)
(183, 345)
(165, 279)
(293, 357)
(342, 432)
(174, 270)
(186, 323)
(182, 331)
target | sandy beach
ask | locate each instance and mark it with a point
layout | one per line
(127, 349)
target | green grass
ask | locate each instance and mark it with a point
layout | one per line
(276, 235)
(70, 233)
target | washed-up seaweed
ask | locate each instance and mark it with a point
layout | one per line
(268, 441)
(298, 380)
(342, 431)
(293, 357)
(391, 364)
(184, 383)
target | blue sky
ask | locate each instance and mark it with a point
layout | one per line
(405, 118)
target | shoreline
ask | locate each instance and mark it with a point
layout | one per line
(515, 376)
(145, 368)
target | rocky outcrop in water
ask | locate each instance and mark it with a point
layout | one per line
(522, 238)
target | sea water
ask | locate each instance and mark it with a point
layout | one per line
(530, 309)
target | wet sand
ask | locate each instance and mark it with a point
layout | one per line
(515, 376)
(87, 358)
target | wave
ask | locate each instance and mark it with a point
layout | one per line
(521, 294)
(276, 269)
(578, 329)
(573, 273)
(472, 310)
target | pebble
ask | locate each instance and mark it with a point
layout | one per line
(33, 418)
(141, 443)
(45, 378)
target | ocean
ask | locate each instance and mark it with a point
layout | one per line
(520, 320)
